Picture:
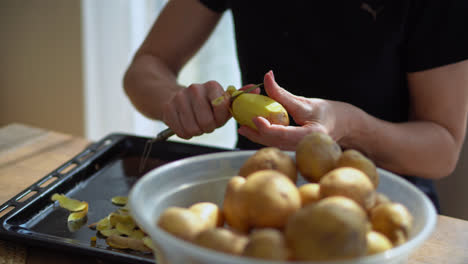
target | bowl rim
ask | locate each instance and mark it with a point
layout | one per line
(212, 255)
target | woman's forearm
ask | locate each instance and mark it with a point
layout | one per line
(417, 148)
(149, 85)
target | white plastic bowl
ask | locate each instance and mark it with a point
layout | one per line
(204, 178)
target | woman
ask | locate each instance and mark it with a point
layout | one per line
(388, 78)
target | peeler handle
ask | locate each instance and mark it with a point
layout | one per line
(165, 134)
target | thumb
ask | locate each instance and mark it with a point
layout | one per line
(275, 92)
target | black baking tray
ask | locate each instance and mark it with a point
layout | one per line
(103, 170)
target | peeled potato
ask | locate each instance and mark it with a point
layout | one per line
(270, 158)
(181, 223)
(393, 220)
(247, 106)
(351, 183)
(316, 154)
(377, 243)
(209, 212)
(222, 240)
(268, 244)
(334, 228)
(310, 193)
(357, 160)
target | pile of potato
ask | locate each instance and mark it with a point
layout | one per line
(337, 214)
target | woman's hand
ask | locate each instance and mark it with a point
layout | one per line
(190, 113)
(310, 114)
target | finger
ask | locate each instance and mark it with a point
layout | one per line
(186, 116)
(220, 111)
(283, 137)
(201, 107)
(275, 92)
(171, 118)
(249, 133)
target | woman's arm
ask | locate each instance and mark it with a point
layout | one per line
(427, 146)
(151, 79)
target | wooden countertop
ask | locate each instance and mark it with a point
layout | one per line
(28, 154)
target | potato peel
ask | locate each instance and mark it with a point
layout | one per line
(68, 203)
(148, 242)
(229, 92)
(119, 200)
(76, 216)
(120, 229)
(217, 101)
(79, 210)
(121, 242)
(110, 232)
(137, 234)
(103, 224)
(124, 228)
(115, 218)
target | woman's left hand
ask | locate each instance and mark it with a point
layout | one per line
(310, 114)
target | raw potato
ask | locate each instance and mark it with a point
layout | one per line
(333, 228)
(270, 158)
(222, 240)
(186, 223)
(357, 160)
(316, 154)
(310, 193)
(267, 244)
(271, 198)
(265, 199)
(234, 210)
(377, 243)
(181, 222)
(351, 183)
(210, 214)
(247, 106)
(393, 220)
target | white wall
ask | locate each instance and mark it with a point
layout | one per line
(112, 32)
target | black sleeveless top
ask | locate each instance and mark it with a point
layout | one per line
(354, 51)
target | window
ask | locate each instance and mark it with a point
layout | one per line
(112, 31)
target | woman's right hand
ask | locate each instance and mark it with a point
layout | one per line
(190, 112)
